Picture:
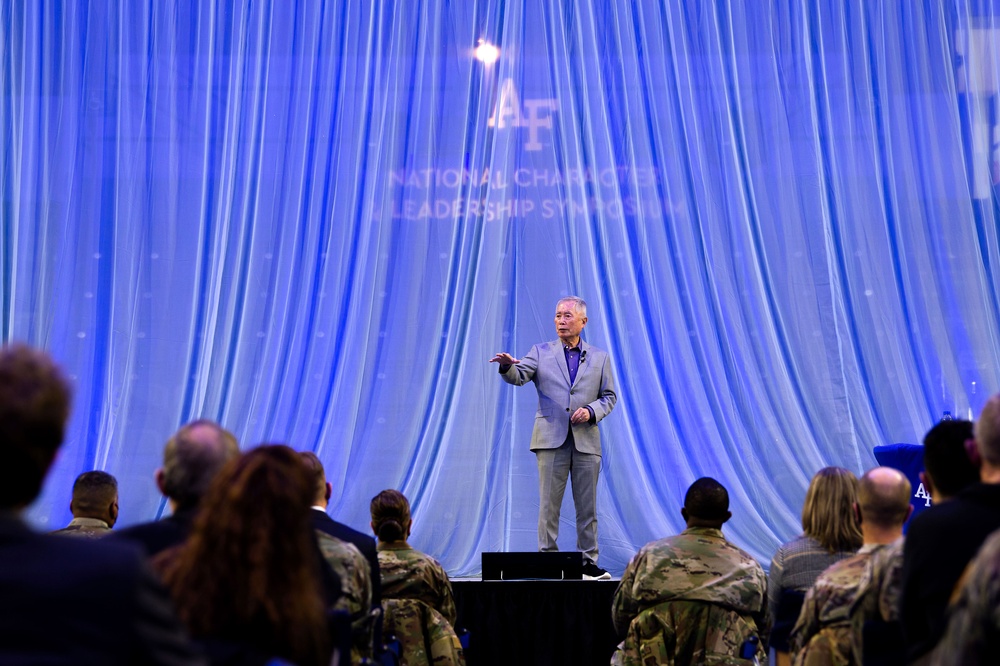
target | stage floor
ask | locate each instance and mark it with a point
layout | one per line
(543, 622)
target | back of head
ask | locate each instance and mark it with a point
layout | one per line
(315, 466)
(707, 502)
(945, 458)
(192, 458)
(390, 515)
(987, 430)
(34, 407)
(251, 562)
(884, 497)
(828, 512)
(93, 493)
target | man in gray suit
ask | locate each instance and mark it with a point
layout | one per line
(575, 391)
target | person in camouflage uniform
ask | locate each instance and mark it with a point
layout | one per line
(973, 633)
(851, 591)
(694, 597)
(877, 601)
(94, 505)
(417, 599)
(356, 591)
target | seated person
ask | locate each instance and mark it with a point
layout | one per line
(972, 635)
(695, 596)
(411, 576)
(191, 459)
(941, 540)
(339, 544)
(247, 581)
(830, 533)
(94, 505)
(72, 602)
(824, 629)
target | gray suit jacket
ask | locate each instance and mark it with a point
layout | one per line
(545, 365)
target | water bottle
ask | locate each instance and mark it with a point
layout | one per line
(748, 650)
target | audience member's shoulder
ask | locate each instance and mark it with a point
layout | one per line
(978, 494)
(935, 518)
(345, 532)
(67, 556)
(153, 537)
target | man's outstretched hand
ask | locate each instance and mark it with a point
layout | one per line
(503, 358)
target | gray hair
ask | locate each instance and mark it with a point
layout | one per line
(987, 431)
(192, 458)
(579, 305)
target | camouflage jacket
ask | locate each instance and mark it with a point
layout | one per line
(425, 637)
(677, 633)
(973, 633)
(409, 574)
(697, 565)
(356, 590)
(825, 625)
(88, 528)
(881, 585)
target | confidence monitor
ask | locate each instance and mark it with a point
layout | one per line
(555, 565)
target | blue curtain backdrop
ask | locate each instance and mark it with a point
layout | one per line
(316, 221)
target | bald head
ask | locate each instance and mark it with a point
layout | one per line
(884, 497)
(192, 458)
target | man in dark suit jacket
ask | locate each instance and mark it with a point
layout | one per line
(191, 459)
(943, 539)
(576, 389)
(67, 601)
(366, 544)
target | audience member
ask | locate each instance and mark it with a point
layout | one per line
(66, 602)
(247, 580)
(824, 631)
(406, 572)
(972, 636)
(948, 469)
(94, 505)
(351, 566)
(941, 540)
(696, 595)
(191, 459)
(830, 534)
(416, 593)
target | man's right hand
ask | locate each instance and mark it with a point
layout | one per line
(503, 358)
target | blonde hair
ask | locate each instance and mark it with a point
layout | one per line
(828, 512)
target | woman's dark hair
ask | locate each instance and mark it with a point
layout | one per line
(249, 571)
(390, 515)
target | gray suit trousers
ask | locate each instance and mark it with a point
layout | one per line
(555, 466)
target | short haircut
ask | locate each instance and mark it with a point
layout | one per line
(884, 497)
(946, 459)
(828, 512)
(192, 458)
(987, 431)
(315, 466)
(93, 493)
(579, 305)
(34, 407)
(707, 499)
(390, 515)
